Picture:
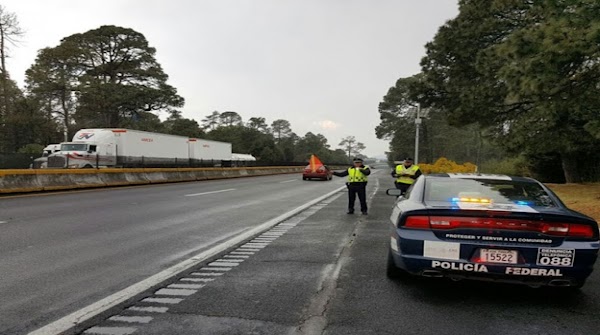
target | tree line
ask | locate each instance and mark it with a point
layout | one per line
(109, 78)
(509, 78)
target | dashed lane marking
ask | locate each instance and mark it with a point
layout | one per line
(187, 286)
(288, 181)
(111, 330)
(131, 319)
(234, 260)
(149, 309)
(169, 301)
(198, 280)
(242, 253)
(228, 264)
(207, 274)
(237, 256)
(215, 269)
(175, 292)
(211, 192)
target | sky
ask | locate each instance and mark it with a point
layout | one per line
(323, 65)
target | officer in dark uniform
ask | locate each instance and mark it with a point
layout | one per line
(357, 184)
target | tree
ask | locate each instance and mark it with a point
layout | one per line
(229, 119)
(117, 76)
(54, 81)
(10, 32)
(526, 71)
(281, 129)
(258, 123)
(211, 122)
(351, 146)
(178, 125)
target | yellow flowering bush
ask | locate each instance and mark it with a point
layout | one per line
(444, 165)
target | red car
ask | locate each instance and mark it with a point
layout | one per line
(322, 172)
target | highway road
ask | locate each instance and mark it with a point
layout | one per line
(60, 252)
(320, 272)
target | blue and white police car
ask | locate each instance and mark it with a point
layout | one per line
(490, 227)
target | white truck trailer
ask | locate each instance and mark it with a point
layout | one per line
(134, 148)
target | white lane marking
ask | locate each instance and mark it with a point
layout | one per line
(215, 269)
(261, 241)
(226, 264)
(249, 250)
(212, 192)
(90, 311)
(207, 274)
(175, 292)
(1, 222)
(131, 319)
(288, 181)
(170, 301)
(111, 330)
(230, 260)
(149, 309)
(254, 246)
(198, 280)
(242, 253)
(237, 256)
(189, 286)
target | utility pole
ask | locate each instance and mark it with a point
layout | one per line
(418, 125)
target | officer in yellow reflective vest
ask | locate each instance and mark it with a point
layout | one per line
(357, 184)
(405, 174)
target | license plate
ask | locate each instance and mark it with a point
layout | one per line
(498, 256)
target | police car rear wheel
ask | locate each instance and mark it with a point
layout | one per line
(392, 270)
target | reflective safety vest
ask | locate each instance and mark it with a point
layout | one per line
(401, 169)
(356, 176)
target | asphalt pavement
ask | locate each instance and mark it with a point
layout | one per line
(319, 272)
(323, 272)
(61, 252)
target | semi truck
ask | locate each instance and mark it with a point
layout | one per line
(109, 147)
(42, 162)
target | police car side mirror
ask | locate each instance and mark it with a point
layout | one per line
(393, 192)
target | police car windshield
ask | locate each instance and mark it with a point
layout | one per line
(487, 191)
(73, 147)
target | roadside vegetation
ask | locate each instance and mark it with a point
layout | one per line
(584, 198)
(508, 85)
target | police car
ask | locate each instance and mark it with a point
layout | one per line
(490, 227)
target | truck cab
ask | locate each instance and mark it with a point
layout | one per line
(89, 149)
(42, 162)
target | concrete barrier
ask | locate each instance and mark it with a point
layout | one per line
(24, 181)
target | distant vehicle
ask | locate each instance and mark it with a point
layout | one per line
(132, 148)
(242, 160)
(323, 172)
(492, 228)
(42, 162)
(317, 170)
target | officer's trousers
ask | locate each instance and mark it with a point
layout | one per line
(359, 189)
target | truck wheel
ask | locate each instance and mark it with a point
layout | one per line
(88, 166)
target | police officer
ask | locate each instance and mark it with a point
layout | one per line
(357, 184)
(405, 174)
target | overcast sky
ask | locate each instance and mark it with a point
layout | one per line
(324, 65)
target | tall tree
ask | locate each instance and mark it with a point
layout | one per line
(211, 122)
(118, 77)
(178, 125)
(352, 146)
(281, 129)
(10, 32)
(229, 119)
(511, 65)
(258, 123)
(54, 81)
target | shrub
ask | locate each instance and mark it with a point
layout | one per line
(444, 165)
